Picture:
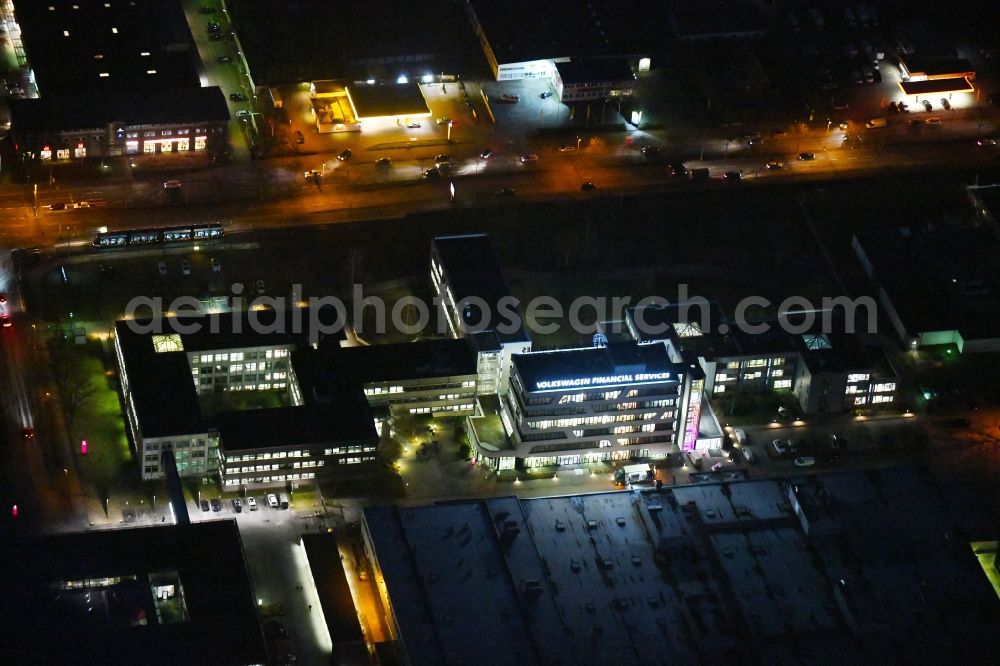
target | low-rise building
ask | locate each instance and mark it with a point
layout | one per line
(472, 295)
(594, 80)
(179, 389)
(761, 571)
(938, 285)
(827, 372)
(437, 377)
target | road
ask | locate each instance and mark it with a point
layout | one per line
(274, 193)
(40, 475)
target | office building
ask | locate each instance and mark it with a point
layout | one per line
(827, 372)
(437, 377)
(860, 567)
(596, 404)
(224, 399)
(171, 594)
(474, 299)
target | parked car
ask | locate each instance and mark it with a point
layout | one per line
(546, 94)
(510, 99)
(413, 124)
(272, 501)
(804, 461)
(259, 286)
(747, 454)
(251, 503)
(243, 113)
(237, 97)
(927, 105)
(224, 59)
(345, 155)
(945, 104)
(216, 504)
(779, 447)
(237, 505)
(204, 505)
(185, 267)
(216, 265)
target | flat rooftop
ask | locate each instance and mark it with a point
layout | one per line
(153, 375)
(706, 573)
(932, 86)
(91, 597)
(473, 271)
(305, 40)
(939, 278)
(344, 420)
(593, 70)
(95, 110)
(425, 359)
(587, 368)
(524, 30)
(94, 45)
(387, 100)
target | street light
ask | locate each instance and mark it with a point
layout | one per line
(449, 131)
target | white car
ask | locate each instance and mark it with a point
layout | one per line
(272, 501)
(804, 461)
(252, 503)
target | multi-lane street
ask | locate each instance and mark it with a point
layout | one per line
(276, 192)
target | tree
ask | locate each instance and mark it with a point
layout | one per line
(73, 384)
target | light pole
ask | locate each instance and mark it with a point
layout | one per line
(449, 131)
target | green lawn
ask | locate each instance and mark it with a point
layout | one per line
(99, 421)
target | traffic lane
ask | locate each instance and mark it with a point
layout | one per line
(556, 176)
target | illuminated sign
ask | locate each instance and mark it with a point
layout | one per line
(693, 416)
(603, 381)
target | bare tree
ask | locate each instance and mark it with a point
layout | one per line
(73, 384)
